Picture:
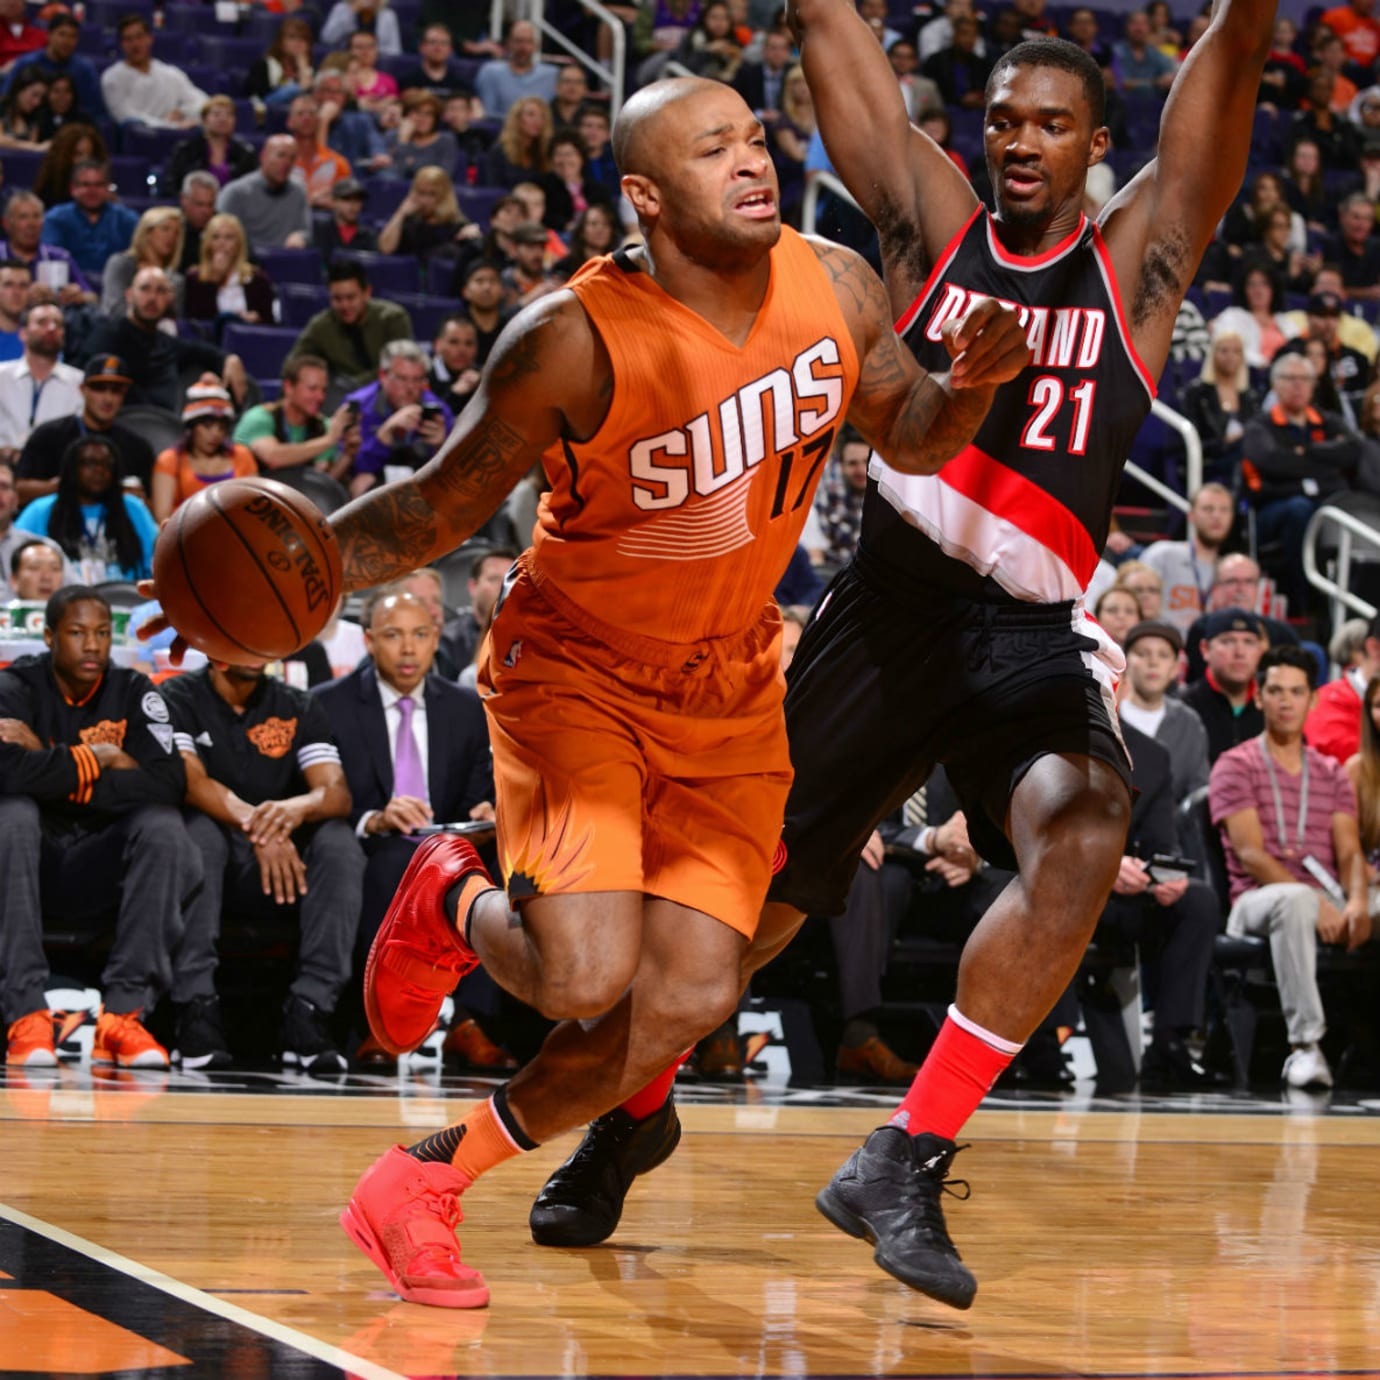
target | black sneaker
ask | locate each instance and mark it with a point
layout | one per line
(307, 1042)
(887, 1192)
(200, 1040)
(582, 1201)
(1168, 1065)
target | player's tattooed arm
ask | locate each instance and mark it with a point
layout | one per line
(916, 420)
(543, 380)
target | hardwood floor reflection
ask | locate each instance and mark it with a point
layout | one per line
(1104, 1242)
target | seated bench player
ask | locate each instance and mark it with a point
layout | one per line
(89, 789)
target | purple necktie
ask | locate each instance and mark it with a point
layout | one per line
(408, 775)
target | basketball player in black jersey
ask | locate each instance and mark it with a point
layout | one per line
(958, 634)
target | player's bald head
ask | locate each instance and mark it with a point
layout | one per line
(640, 131)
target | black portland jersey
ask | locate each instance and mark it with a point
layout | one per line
(1022, 513)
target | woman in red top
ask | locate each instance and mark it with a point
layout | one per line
(206, 454)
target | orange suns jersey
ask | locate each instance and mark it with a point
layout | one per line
(679, 516)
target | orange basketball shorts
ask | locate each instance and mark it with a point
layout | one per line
(622, 763)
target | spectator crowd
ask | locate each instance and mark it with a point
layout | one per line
(286, 246)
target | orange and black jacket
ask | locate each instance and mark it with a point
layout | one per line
(63, 776)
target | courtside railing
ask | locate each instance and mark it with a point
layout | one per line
(612, 75)
(1337, 585)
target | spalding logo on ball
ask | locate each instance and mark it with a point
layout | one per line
(247, 570)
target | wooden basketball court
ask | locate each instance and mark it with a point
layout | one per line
(161, 1226)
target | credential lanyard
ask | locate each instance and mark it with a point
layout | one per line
(1279, 802)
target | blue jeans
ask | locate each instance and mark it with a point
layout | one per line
(1285, 521)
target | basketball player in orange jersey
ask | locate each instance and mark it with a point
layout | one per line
(683, 397)
(977, 572)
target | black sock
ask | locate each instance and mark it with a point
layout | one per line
(439, 1148)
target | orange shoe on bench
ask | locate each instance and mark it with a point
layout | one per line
(403, 1216)
(122, 1040)
(417, 957)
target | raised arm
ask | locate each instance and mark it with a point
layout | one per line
(1158, 226)
(914, 419)
(548, 376)
(909, 188)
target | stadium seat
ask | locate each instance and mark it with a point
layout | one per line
(159, 427)
(173, 48)
(289, 265)
(222, 51)
(328, 494)
(262, 348)
(409, 14)
(110, 12)
(385, 195)
(301, 301)
(132, 175)
(427, 311)
(478, 203)
(21, 167)
(151, 147)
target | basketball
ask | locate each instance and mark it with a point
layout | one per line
(247, 571)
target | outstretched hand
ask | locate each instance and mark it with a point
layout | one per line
(151, 627)
(987, 346)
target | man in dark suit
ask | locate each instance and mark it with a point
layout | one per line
(760, 83)
(1173, 920)
(415, 749)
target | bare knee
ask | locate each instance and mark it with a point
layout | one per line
(574, 988)
(687, 1010)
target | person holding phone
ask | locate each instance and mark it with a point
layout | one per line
(402, 422)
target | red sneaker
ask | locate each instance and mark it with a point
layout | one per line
(417, 956)
(403, 1216)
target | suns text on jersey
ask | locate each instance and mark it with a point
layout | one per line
(758, 419)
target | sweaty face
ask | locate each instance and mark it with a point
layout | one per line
(713, 186)
(1040, 143)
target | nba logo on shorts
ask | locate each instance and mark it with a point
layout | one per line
(514, 651)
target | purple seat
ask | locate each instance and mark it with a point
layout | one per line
(262, 348)
(301, 301)
(478, 203)
(133, 176)
(216, 49)
(289, 265)
(427, 311)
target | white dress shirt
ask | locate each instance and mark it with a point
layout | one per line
(23, 406)
(392, 717)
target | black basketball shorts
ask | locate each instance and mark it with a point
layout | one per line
(886, 684)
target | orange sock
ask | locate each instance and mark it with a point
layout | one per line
(485, 1138)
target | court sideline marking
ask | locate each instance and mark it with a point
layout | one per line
(231, 1312)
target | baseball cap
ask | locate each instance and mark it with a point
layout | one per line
(1230, 621)
(349, 189)
(1324, 304)
(110, 368)
(1153, 627)
(529, 232)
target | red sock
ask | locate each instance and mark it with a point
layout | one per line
(957, 1074)
(653, 1097)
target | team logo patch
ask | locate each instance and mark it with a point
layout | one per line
(274, 736)
(107, 731)
(155, 707)
(778, 859)
(163, 736)
(514, 651)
